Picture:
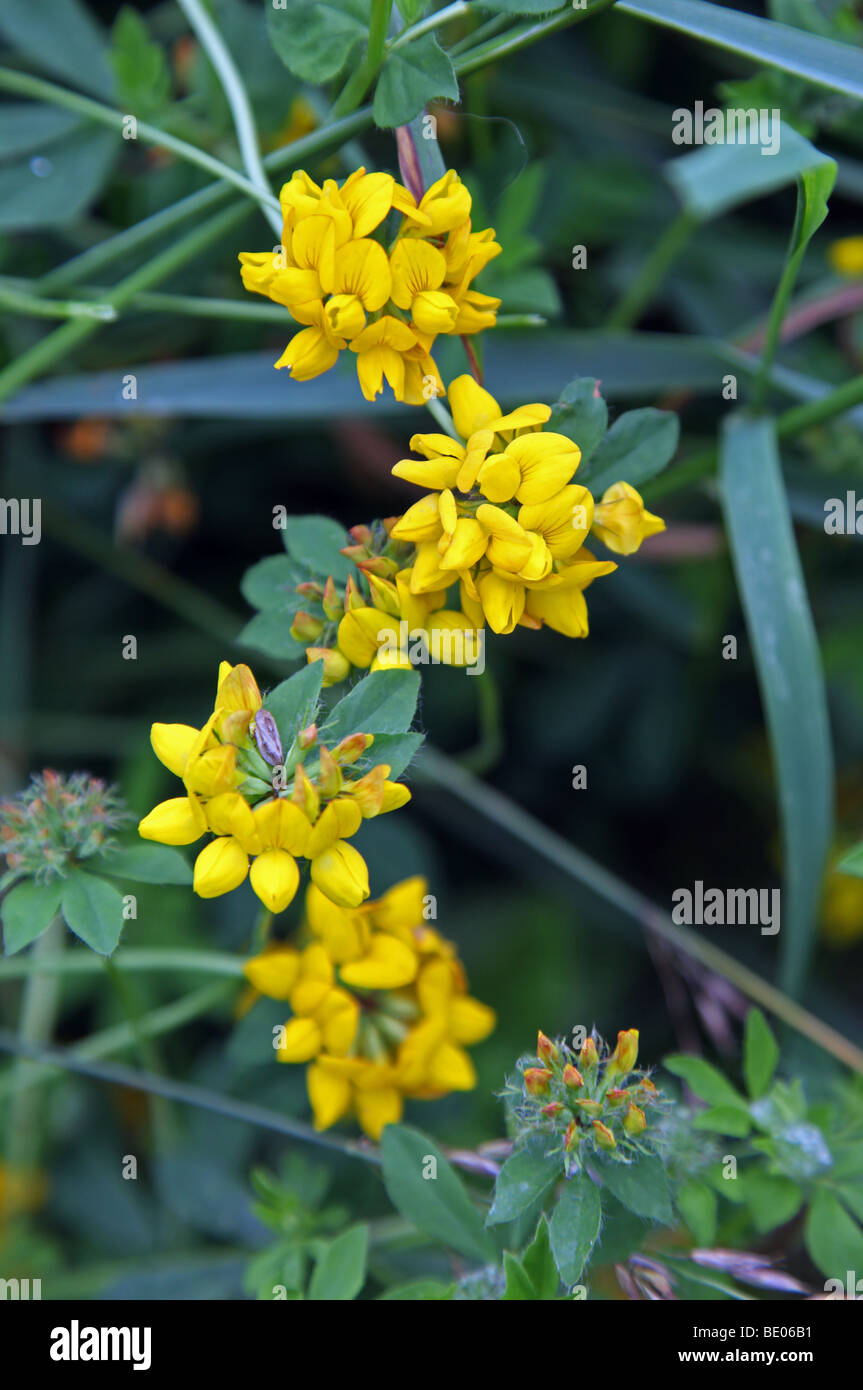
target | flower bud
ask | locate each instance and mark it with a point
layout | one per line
(305, 794)
(634, 1121)
(306, 628)
(309, 589)
(616, 1097)
(333, 603)
(352, 747)
(307, 737)
(588, 1056)
(353, 597)
(572, 1077)
(336, 665)
(604, 1137)
(571, 1138)
(329, 780)
(536, 1080)
(267, 738)
(590, 1107)
(546, 1049)
(623, 1058)
(361, 534)
(647, 1088)
(552, 1110)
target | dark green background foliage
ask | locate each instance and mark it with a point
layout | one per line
(150, 531)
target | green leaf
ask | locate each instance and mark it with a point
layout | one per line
(384, 702)
(411, 77)
(822, 61)
(437, 1205)
(574, 1227)
(26, 911)
(314, 41)
(760, 1054)
(294, 703)
(140, 66)
(704, 1080)
(641, 1187)
(524, 1177)
(833, 1238)
(93, 910)
(340, 1271)
(852, 1195)
(581, 414)
(270, 632)
(27, 127)
(62, 38)
(272, 583)
(716, 178)
(146, 863)
(522, 6)
(723, 1119)
(412, 10)
(698, 1205)
(57, 188)
(418, 1291)
(315, 542)
(852, 862)
(398, 750)
(788, 663)
(538, 1262)
(637, 447)
(519, 1286)
(772, 1199)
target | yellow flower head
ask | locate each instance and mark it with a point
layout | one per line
(261, 823)
(379, 1007)
(387, 297)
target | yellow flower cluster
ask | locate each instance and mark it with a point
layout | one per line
(379, 1005)
(385, 299)
(506, 520)
(266, 810)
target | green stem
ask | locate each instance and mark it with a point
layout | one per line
(481, 34)
(362, 77)
(633, 303)
(789, 423)
(165, 1019)
(201, 307)
(237, 98)
(24, 85)
(517, 39)
(432, 22)
(57, 345)
(793, 261)
(436, 769)
(122, 245)
(38, 1011)
(487, 753)
(164, 1127)
(20, 967)
(21, 301)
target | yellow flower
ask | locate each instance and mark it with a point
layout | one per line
(621, 520)
(339, 1085)
(846, 255)
(339, 277)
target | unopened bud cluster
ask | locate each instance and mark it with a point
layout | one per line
(56, 821)
(593, 1099)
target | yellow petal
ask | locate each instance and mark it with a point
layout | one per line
(451, 1069)
(375, 1109)
(388, 964)
(179, 821)
(472, 407)
(301, 1041)
(362, 269)
(275, 878)
(469, 1020)
(342, 874)
(502, 602)
(221, 866)
(329, 1095)
(281, 824)
(172, 744)
(338, 821)
(421, 522)
(274, 973)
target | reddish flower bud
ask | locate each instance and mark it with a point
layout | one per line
(545, 1048)
(572, 1077)
(306, 628)
(588, 1056)
(333, 603)
(616, 1097)
(307, 737)
(552, 1110)
(623, 1058)
(603, 1135)
(590, 1107)
(536, 1080)
(352, 747)
(571, 1138)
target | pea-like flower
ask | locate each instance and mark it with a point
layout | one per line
(351, 283)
